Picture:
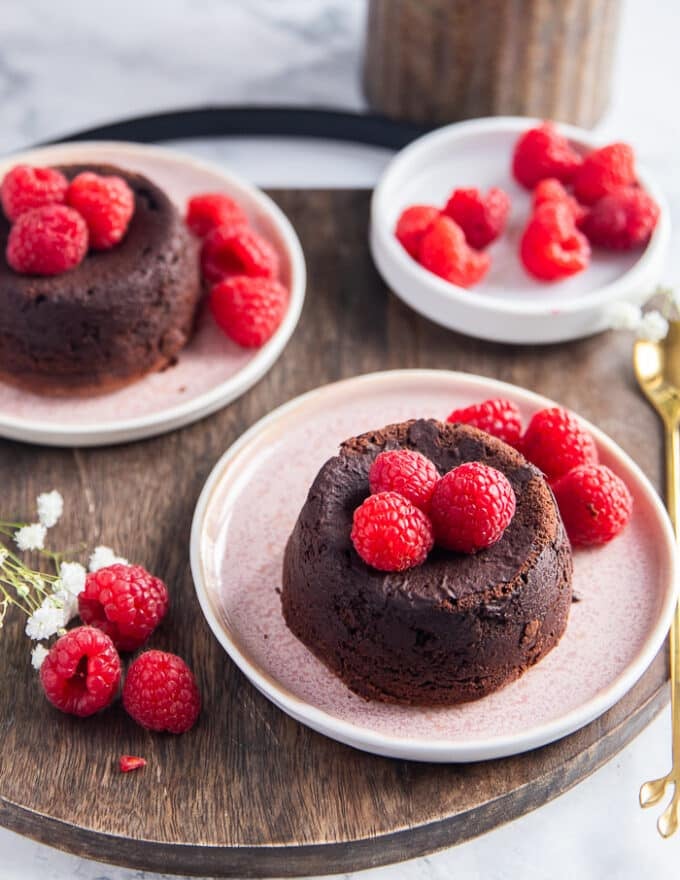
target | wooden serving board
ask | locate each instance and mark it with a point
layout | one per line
(249, 792)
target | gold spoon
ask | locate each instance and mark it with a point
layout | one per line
(657, 367)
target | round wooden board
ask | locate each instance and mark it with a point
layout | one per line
(249, 792)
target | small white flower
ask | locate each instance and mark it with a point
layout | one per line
(22, 591)
(31, 537)
(3, 555)
(50, 508)
(38, 654)
(45, 621)
(652, 327)
(65, 603)
(102, 557)
(625, 316)
(72, 577)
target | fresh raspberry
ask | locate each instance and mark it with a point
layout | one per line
(390, 533)
(413, 223)
(130, 762)
(472, 506)
(497, 416)
(594, 503)
(482, 218)
(106, 203)
(552, 247)
(235, 250)
(407, 472)
(125, 602)
(603, 171)
(551, 190)
(543, 152)
(160, 692)
(207, 211)
(25, 187)
(556, 442)
(47, 241)
(81, 673)
(623, 220)
(444, 251)
(249, 310)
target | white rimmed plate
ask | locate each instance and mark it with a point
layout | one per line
(250, 503)
(508, 305)
(211, 371)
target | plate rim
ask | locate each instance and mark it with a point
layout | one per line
(456, 295)
(193, 409)
(437, 750)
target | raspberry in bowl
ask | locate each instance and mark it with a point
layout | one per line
(586, 229)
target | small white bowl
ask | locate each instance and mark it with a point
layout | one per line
(508, 305)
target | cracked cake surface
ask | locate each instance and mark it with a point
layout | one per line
(456, 627)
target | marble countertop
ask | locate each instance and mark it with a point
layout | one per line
(66, 66)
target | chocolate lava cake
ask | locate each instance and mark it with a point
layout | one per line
(120, 314)
(456, 627)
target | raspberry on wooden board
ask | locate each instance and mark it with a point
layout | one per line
(160, 693)
(81, 673)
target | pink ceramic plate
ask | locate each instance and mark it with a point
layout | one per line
(211, 371)
(248, 508)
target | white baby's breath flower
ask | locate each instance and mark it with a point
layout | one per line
(31, 537)
(652, 327)
(38, 654)
(45, 621)
(625, 316)
(3, 555)
(102, 557)
(72, 577)
(64, 602)
(50, 508)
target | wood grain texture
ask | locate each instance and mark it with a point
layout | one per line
(249, 792)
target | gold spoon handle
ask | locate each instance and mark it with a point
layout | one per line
(672, 446)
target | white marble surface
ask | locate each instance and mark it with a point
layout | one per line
(68, 65)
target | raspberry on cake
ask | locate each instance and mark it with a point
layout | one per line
(25, 187)
(113, 317)
(47, 241)
(106, 203)
(390, 533)
(472, 506)
(496, 416)
(453, 628)
(81, 672)
(406, 472)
